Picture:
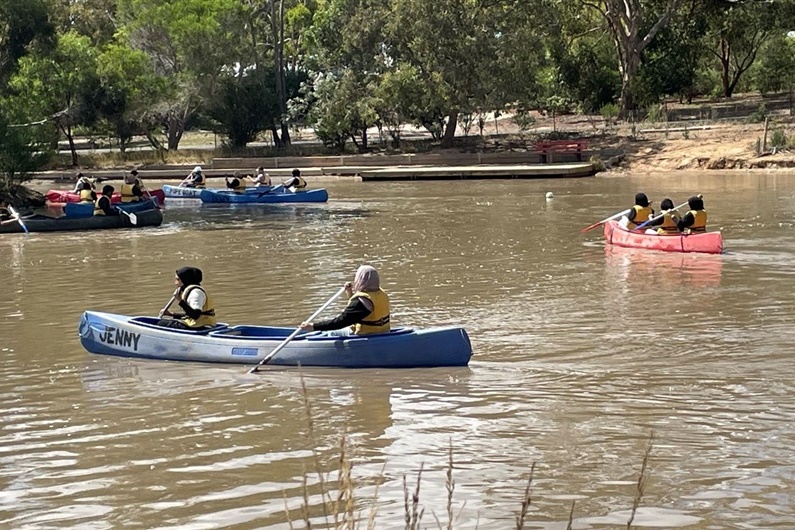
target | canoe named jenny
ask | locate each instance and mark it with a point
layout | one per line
(707, 242)
(112, 334)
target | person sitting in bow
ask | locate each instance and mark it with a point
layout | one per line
(296, 182)
(195, 179)
(237, 184)
(640, 212)
(262, 178)
(131, 188)
(103, 206)
(694, 221)
(668, 222)
(193, 299)
(367, 310)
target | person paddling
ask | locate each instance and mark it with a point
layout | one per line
(193, 299)
(669, 222)
(103, 205)
(640, 212)
(296, 182)
(195, 179)
(694, 221)
(367, 310)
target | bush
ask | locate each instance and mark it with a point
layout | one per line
(778, 139)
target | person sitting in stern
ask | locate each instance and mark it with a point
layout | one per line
(103, 206)
(367, 310)
(296, 182)
(195, 179)
(669, 222)
(694, 221)
(640, 212)
(193, 299)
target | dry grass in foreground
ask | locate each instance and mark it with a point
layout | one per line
(339, 497)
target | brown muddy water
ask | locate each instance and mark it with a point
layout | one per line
(581, 352)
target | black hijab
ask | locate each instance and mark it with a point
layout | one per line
(189, 276)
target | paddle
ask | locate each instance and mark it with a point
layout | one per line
(294, 333)
(603, 221)
(267, 191)
(663, 214)
(131, 216)
(15, 215)
(168, 305)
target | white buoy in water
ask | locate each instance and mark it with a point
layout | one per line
(550, 195)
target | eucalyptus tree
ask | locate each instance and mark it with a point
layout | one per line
(96, 19)
(59, 86)
(632, 25)
(775, 71)
(191, 43)
(738, 31)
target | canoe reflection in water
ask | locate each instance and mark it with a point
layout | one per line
(649, 267)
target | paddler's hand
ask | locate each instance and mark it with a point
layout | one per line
(307, 326)
(348, 289)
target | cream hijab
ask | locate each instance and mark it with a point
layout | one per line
(366, 279)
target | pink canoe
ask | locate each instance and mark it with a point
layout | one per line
(708, 242)
(56, 196)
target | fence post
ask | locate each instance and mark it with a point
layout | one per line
(764, 138)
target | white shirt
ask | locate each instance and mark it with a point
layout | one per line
(262, 178)
(196, 298)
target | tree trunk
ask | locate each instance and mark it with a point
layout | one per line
(277, 142)
(449, 132)
(66, 128)
(277, 31)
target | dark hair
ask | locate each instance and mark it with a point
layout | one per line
(134, 172)
(107, 189)
(667, 204)
(695, 203)
(296, 172)
(641, 199)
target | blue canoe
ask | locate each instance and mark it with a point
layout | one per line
(125, 336)
(276, 194)
(79, 210)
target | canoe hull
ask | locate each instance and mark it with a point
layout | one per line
(707, 243)
(67, 196)
(138, 337)
(276, 196)
(178, 192)
(86, 209)
(64, 224)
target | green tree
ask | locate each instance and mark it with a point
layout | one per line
(633, 25)
(60, 86)
(22, 24)
(738, 31)
(775, 71)
(128, 87)
(246, 105)
(192, 44)
(23, 150)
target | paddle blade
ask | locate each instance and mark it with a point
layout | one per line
(16, 215)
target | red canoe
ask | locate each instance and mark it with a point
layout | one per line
(56, 196)
(708, 242)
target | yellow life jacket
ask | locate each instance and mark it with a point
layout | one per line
(378, 319)
(207, 317)
(86, 196)
(668, 225)
(699, 221)
(127, 193)
(238, 185)
(642, 214)
(97, 208)
(201, 182)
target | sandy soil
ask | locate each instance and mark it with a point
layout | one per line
(729, 142)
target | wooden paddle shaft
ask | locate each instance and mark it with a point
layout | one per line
(296, 332)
